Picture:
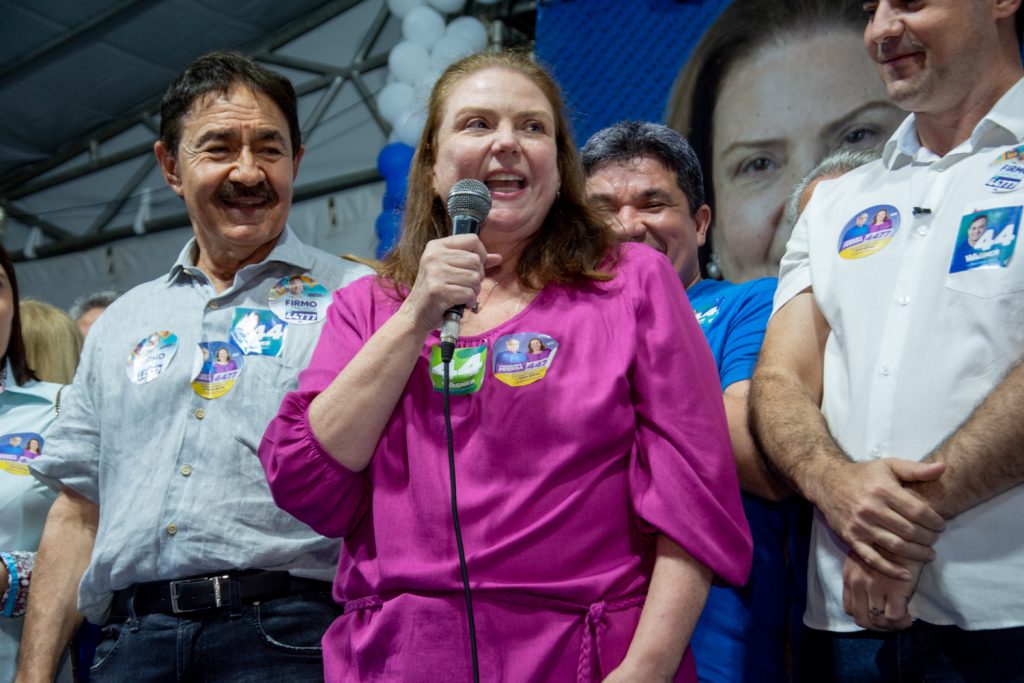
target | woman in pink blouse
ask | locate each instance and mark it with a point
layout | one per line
(597, 494)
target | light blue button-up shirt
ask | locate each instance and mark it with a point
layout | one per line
(180, 489)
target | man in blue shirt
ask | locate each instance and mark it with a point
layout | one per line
(646, 180)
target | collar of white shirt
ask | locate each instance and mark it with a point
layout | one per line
(1002, 125)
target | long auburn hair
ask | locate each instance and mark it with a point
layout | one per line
(571, 244)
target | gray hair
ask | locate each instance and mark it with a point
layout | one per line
(631, 140)
(839, 162)
(100, 299)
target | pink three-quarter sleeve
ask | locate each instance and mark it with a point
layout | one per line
(683, 478)
(304, 479)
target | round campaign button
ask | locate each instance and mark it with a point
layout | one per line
(523, 358)
(216, 367)
(1008, 178)
(151, 355)
(299, 299)
(869, 231)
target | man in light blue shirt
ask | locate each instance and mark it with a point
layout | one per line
(165, 524)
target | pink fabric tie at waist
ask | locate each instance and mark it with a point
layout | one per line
(595, 616)
(592, 634)
(363, 603)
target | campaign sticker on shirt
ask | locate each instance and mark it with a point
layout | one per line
(299, 299)
(465, 373)
(1011, 154)
(215, 369)
(523, 358)
(986, 239)
(1007, 178)
(19, 449)
(869, 231)
(258, 332)
(707, 314)
(151, 355)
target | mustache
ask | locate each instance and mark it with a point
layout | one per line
(231, 191)
(889, 49)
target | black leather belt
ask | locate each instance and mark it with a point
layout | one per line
(196, 596)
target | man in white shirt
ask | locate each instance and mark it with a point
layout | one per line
(889, 389)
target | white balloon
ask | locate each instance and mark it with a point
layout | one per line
(395, 99)
(469, 29)
(402, 7)
(425, 86)
(409, 61)
(410, 126)
(447, 50)
(423, 25)
(448, 6)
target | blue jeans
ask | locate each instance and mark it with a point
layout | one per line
(275, 640)
(922, 653)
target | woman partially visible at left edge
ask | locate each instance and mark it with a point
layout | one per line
(597, 499)
(26, 411)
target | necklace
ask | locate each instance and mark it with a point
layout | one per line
(519, 303)
(479, 305)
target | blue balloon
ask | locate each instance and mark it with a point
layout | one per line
(393, 162)
(394, 159)
(394, 202)
(388, 228)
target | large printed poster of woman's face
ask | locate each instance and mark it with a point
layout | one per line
(772, 88)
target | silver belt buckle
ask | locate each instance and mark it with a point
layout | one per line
(217, 595)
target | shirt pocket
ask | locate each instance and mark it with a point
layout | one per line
(988, 283)
(982, 297)
(262, 386)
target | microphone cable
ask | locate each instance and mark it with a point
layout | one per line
(469, 202)
(447, 351)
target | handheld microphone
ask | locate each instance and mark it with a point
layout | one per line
(469, 202)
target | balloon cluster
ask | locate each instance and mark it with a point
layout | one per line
(428, 46)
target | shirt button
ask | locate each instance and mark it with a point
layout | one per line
(904, 300)
(172, 528)
(186, 470)
(200, 413)
(885, 371)
(876, 451)
(922, 231)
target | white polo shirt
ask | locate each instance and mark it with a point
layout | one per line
(926, 316)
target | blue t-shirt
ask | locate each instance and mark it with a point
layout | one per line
(733, 317)
(741, 635)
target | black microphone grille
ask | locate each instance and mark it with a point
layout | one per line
(469, 196)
